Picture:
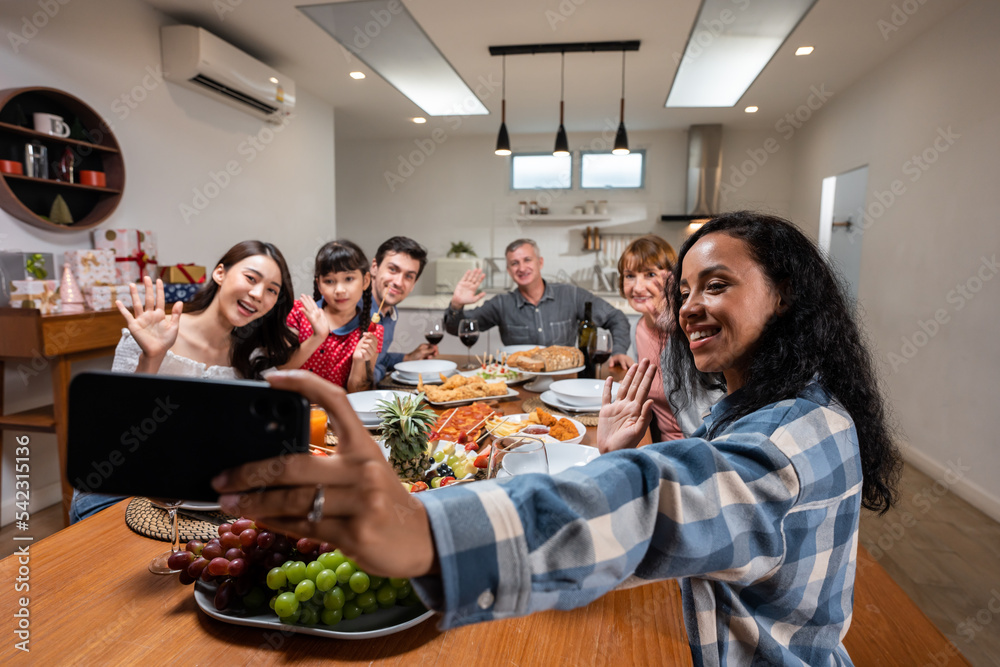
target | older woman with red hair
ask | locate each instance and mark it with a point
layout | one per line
(643, 279)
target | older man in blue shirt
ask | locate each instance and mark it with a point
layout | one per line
(537, 312)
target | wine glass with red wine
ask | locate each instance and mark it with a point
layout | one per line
(600, 349)
(434, 333)
(468, 333)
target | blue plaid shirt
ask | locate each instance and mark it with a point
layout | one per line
(760, 524)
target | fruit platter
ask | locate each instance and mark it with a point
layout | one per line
(255, 577)
(428, 451)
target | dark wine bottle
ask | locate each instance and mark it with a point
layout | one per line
(585, 333)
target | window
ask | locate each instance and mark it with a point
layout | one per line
(604, 170)
(541, 172)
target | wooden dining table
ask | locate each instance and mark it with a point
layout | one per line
(92, 601)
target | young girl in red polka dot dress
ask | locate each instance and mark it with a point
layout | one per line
(337, 340)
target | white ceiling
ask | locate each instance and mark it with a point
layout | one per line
(847, 34)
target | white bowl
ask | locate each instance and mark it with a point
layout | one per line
(365, 402)
(565, 455)
(410, 370)
(561, 456)
(579, 393)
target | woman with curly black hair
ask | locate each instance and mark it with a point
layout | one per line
(756, 513)
(814, 338)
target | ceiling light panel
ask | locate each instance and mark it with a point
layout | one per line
(730, 44)
(384, 35)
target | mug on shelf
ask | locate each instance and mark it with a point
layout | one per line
(49, 123)
(88, 177)
(11, 167)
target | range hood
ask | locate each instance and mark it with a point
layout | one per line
(704, 174)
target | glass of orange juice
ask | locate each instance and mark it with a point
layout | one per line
(317, 426)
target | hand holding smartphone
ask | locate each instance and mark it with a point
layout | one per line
(167, 437)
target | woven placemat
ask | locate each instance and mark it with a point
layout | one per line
(529, 404)
(149, 521)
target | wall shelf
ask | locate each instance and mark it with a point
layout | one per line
(565, 217)
(29, 199)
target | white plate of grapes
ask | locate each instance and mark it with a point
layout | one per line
(304, 586)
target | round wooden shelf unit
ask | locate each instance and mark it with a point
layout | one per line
(30, 199)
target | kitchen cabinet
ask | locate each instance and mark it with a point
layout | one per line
(30, 199)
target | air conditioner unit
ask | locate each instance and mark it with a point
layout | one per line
(197, 59)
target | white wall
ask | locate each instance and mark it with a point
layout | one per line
(938, 235)
(173, 140)
(447, 188)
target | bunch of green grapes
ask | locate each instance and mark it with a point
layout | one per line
(332, 588)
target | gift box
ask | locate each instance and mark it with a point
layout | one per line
(92, 267)
(183, 273)
(135, 253)
(174, 292)
(40, 294)
(24, 266)
(103, 297)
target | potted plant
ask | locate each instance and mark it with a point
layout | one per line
(461, 250)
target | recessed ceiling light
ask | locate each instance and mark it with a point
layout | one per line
(725, 55)
(419, 120)
(384, 36)
(803, 50)
(357, 75)
(751, 109)
(273, 80)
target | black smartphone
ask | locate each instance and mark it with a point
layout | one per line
(167, 437)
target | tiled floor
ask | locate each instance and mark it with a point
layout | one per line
(943, 552)
(946, 555)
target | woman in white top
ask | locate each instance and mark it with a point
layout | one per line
(233, 328)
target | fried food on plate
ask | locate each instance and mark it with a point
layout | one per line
(539, 416)
(461, 388)
(501, 428)
(563, 430)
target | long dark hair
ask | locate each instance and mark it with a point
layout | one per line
(343, 255)
(816, 336)
(269, 334)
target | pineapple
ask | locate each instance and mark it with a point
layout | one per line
(405, 428)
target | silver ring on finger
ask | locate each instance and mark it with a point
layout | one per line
(316, 513)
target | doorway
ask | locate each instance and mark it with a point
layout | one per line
(842, 207)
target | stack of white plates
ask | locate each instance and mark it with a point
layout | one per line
(410, 372)
(579, 395)
(366, 402)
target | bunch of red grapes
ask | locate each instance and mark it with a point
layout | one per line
(239, 560)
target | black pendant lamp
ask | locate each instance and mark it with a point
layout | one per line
(562, 143)
(503, 141)
(621, 137)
